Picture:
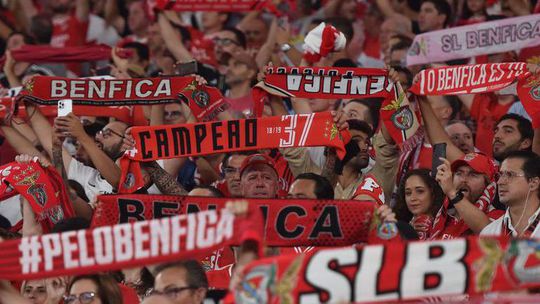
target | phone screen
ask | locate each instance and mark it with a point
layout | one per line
(439, 150)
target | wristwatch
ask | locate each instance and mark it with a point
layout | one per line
(285, 47)
(456, 199)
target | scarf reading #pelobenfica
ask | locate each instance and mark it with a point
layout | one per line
(393, 271)
(287, 223)
(125, 246)
(172, 141)
(42, 187)
(205, 102)
(481, 78)
(399, 118)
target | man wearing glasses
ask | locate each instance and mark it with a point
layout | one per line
(182, 282)
(518, 182)
(229, 185)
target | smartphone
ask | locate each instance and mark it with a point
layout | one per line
(187, 68)
(439, 150)
(65, 106)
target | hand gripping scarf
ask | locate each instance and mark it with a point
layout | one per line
(42, 187)
(287, 223)
(393, 271)
(204, 101)
(125, 246)
(47, 54)
(481, 78)
(343, 83)
(172, 141)
(483, 38)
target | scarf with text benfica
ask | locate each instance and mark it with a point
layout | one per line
(126, 245)
(287, 223)
(172, 141)
(343, 83)
(393, 271)
(481, 78)
(204, 101)
(42, 187)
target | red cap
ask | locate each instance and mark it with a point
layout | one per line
(256, 159)
(478, 162)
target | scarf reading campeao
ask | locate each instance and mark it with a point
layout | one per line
(125, 246)
(205, 102)
(344, 83)
(393, 271)
(287, 222)
(42, 187)
(172, 141)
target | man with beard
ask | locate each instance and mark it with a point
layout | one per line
(512, 133)
(102, 151)
(469, 186)
(518, 183)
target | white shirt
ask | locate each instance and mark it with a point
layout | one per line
(89, 178)
(11, 209)
(495, 228)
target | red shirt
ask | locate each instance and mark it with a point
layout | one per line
(69, 31)
(486, 110)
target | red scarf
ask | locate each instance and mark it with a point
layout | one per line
(47, 54)
(42, 187)
(125, 246)
(172, 141)
(205, 102)
(211, 5)
(481, 78)
(395, 271)
(342, 83)
(288, 223)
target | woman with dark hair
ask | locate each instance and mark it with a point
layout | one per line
(419, 198)
(93, 289)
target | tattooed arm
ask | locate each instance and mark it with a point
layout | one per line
(163, 180)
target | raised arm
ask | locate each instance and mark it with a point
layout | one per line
(436, 132)
(82, 10)
(163, 180)
(173, 39)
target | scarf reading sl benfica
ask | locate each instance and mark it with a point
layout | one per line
(42, 187)
(172, 141)
(287, 223)
(395, 271)
(204, 101)
(125, 246)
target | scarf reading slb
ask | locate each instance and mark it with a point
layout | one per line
(204, 101)
(125, 246)
(287, 223)
(171, 141)
(395, 271)
(42, 187)
(477, 39)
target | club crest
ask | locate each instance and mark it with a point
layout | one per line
(201, 98)
(37, 191)
(403, 118)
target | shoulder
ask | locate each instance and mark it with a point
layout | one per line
(493, 228)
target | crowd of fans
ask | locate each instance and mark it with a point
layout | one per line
(490, 176)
